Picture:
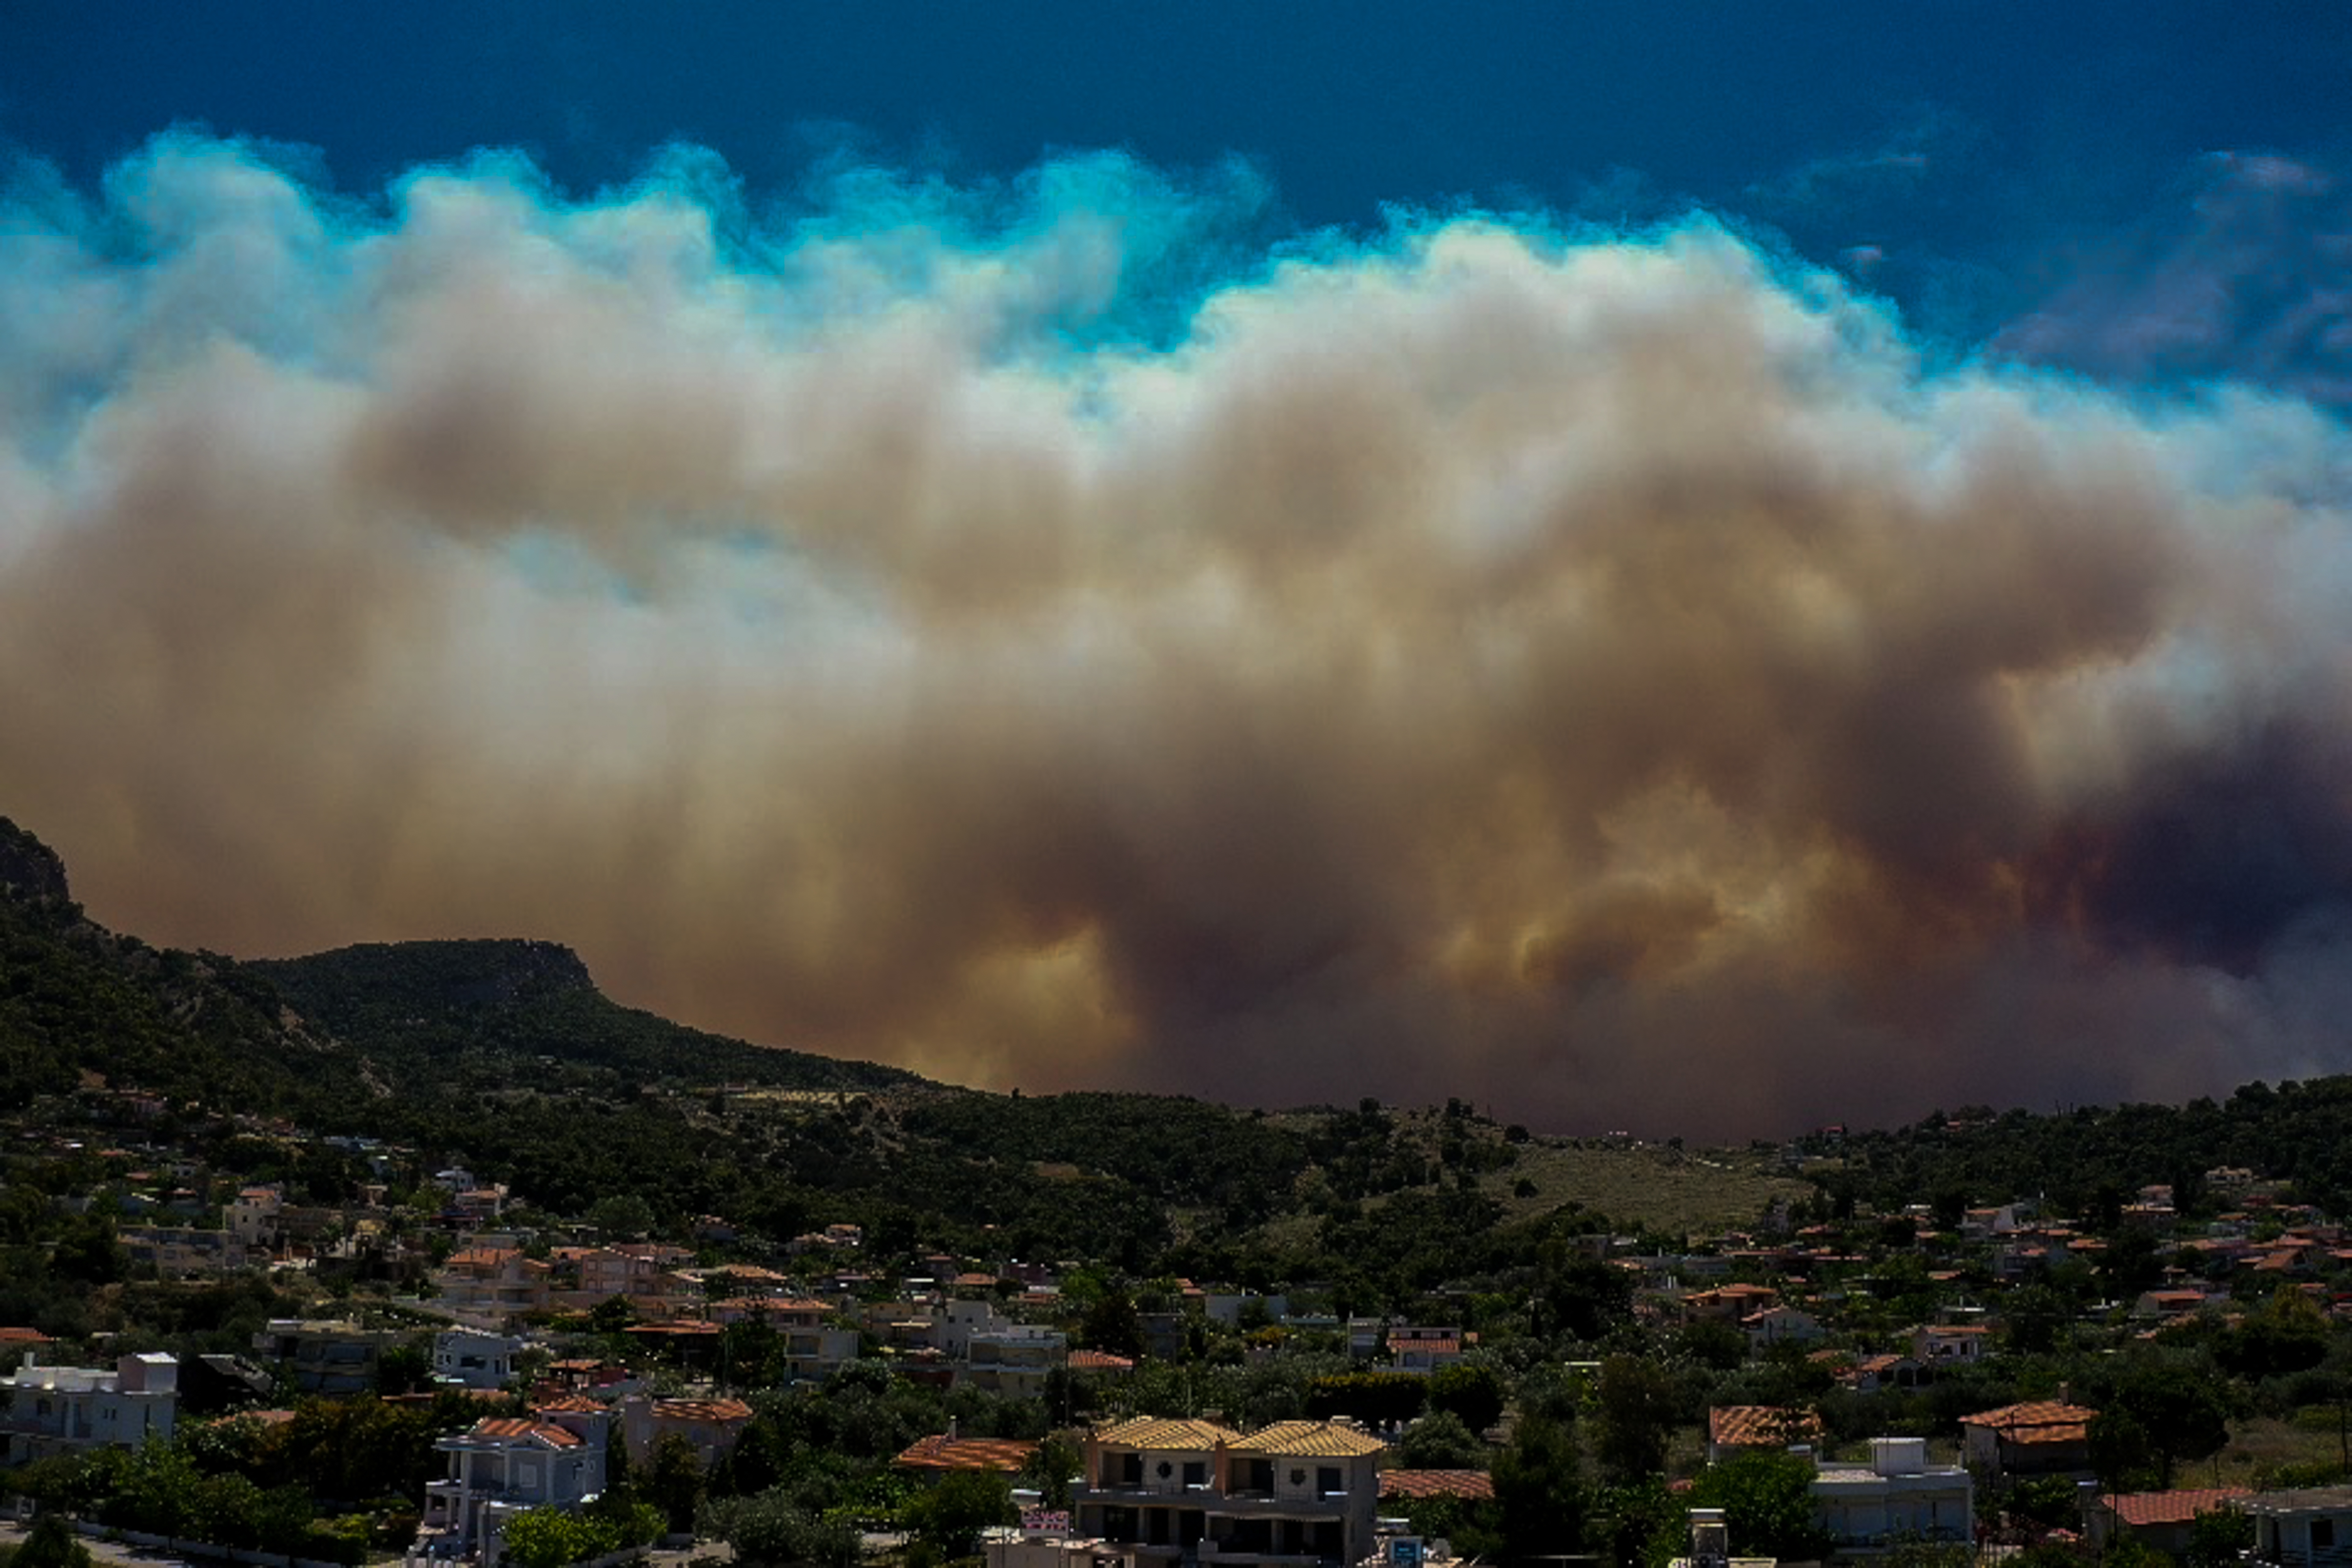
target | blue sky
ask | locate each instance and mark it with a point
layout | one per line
(1689, 567)
(1972, 160)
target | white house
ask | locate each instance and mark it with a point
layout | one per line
(1013, 1360)
(2309, 1526)
(58, 1409)
(504, 1467)
(471, 1359)
(1898, 1497)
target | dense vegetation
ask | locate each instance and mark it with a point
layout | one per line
(2092, 1160)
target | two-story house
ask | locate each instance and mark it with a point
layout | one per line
(1298, 1490)
(1898, 1497)
(1148, 1482)
(2040, 1437)
(490, 1286)
(2307, 1527)
(650, 1276)
(506, 1466)
(58, 1409)
(325, 1355)
(471, 1359)
(712, 1425)
(1015, 1361)
(1950, 1344)
(1294, 1492)
(811, 1348)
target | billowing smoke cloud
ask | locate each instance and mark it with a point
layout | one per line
(1608, 677)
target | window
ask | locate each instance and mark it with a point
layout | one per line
(2323, 1534)
(1326, 1478)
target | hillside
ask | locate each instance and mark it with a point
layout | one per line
(82, 1006)
(504, 1056)
(491, 1004)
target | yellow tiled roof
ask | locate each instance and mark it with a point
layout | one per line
(1167, 1432)
(1309, 1439)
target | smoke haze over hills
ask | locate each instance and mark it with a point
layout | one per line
(1031, 635)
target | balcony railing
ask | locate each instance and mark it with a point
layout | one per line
(1199, 1491)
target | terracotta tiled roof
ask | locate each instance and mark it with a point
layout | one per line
(25, 1337)
(946, 1453)
(781, 1305)
(1309, 1439)
(517, 1427)
(2036, 1421)
(1760, 1426)
(483, 1256)
(702, 1410)
(1166, 1432)
(569, 1404)
(1100, 1360)
(2171, 1508)
(1434, 1347)
(2033, 1413)
(259, 1418)
(1417, 1484)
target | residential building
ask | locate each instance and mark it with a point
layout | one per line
(2309, 1526)
(252, 1215)
(1772, 1325)
(58, 1409)
(1298, 1489)
(1425, 1350)
(1726, 1303)
(1896, 1496)
(473, 1359)
(1736, 1429)
(656, 1278)
(2160, 1519)
(1199, 1491)
(1227, 1308)
(713, 1425)
(1015, 1361)
(489, 1286)
(2040, 1437)
(811, 1348)
(1148, 1482)
(325, 1356)
(1950, 1344)
(504, 1467)
(180, 1252)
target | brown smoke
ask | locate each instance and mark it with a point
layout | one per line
(1599, 681)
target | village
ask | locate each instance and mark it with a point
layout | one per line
(1925, 1384)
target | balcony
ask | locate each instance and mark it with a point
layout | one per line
(1196, 1492)
(1279, 1505)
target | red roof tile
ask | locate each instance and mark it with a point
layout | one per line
(516, 1426)
(2171, 1508)
(1417, 1484)
(1760, 1426)
(942, 1452)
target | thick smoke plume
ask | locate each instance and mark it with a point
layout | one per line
(1614, 679)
